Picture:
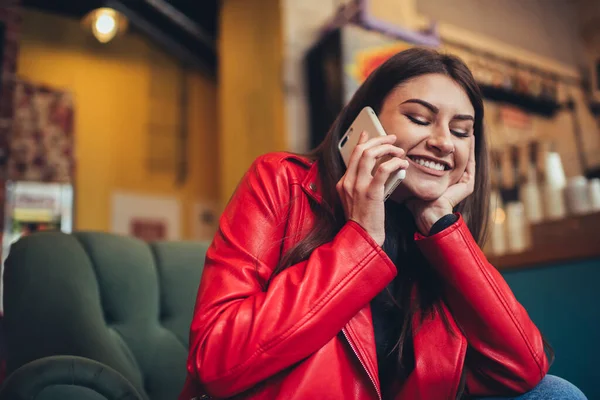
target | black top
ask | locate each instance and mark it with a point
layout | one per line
(388, 317)
(387, 325)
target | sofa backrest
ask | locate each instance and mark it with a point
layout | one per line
(114, 299)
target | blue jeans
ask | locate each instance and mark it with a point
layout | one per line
(550, 388)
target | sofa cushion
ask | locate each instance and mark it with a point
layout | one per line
(67, 378)
(113, 299)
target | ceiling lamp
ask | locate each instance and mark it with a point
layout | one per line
(105, 23)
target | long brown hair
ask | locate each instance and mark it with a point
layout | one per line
(395, 71)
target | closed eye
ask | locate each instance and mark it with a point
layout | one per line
(461, 134)
(421, 122)
(417, 121)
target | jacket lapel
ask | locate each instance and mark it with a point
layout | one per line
(439, 359)
(360, 335)
(311, 184)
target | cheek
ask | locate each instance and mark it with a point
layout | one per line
(406, 132)
(461, 159)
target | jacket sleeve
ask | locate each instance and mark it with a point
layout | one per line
(505, 349)
(242, 334)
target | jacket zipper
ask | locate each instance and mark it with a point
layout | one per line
(362, 363)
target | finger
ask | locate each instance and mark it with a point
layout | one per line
(365, 143)
(385, 170)
(375, 153)
(370, 159)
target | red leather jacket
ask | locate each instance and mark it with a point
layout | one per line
(310, 335)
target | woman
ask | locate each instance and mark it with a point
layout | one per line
(314, 288)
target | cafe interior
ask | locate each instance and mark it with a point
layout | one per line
(126, 126)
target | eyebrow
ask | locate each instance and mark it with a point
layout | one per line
(435, 110)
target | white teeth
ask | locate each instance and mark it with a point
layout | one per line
(430, 164)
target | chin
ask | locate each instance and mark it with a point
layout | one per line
(427, 192)
(429, 196)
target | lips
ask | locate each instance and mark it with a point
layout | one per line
(430, 166)
(431, 163)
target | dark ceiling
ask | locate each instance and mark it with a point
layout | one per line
(186, 28)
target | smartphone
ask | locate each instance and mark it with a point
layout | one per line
(367, 121)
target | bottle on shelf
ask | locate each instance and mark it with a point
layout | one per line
(497, 240)
(553, 187)
(529, 191)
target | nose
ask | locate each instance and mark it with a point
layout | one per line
(441, 141)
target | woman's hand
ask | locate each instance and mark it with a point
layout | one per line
(362, 191)
(427, 213)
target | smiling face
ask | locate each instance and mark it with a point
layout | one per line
(432, 117)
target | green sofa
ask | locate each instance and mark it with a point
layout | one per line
(93, 316)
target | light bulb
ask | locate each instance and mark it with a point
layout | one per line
(105, 24)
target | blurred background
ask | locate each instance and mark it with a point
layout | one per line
(139, 117)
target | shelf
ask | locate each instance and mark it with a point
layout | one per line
(531, 104)
(571, 239)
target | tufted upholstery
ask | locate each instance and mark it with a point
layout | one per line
(112, 299)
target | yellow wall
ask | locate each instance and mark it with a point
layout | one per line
(111, 85)
(251, 98)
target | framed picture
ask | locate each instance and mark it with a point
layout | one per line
(146, 217)
(148, 229)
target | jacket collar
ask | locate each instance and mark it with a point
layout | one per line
(312, 185)
(311, 182)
